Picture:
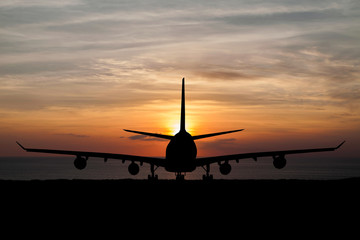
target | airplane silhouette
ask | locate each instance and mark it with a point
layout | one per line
(181, 153)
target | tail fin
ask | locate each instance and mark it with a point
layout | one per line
(182, 121)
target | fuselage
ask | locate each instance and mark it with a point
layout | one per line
(181, 153)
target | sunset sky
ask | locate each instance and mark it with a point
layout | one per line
(74, 73)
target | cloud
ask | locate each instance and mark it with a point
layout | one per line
(73, 135)
(146, 138)
(91, 53)
(275, 18)
(223, 75)
(36, 67)
(38, 3)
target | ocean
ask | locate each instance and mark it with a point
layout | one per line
(47, 168)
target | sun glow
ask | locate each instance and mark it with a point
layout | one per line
(173, 126)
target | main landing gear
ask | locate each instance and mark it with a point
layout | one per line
(152, 176)
(207, 176)
(179, 176)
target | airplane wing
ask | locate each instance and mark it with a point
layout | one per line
(209, 160)
(124, 157)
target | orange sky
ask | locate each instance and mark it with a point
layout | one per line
(101, 129)
(74, 74)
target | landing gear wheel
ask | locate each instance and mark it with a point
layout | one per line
(180, 177)
(153, 178)
(208, 177)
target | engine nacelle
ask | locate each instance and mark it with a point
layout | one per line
(225, 168)
(279, 162)
(133, 168)
(80, 163)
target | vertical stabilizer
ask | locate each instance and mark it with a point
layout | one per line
(182, 121)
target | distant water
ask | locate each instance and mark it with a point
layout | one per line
(44, 168)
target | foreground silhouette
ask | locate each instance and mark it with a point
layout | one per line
(181, 153)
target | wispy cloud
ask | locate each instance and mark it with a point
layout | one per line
(223, 75)
(73, 135)
(38, 3)
(146, 138)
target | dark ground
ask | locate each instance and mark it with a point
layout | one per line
(189, 190)
(270, 208)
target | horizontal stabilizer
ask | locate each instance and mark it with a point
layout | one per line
(215, 134)
(157, 135)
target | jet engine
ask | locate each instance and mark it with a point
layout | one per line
(133, 168)
(279, 162)
(80, 163)
(225, 168)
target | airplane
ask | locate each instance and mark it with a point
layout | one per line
(181, 153)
